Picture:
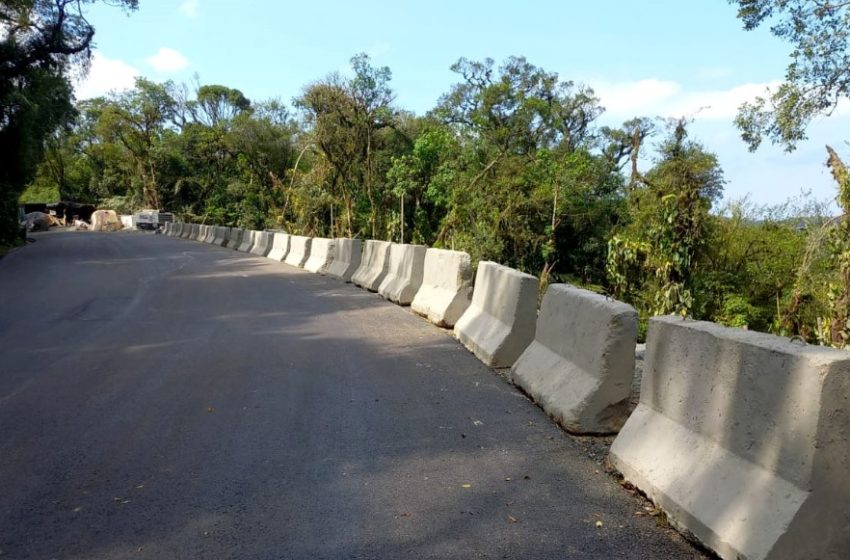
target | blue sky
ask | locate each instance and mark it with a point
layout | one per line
(648, 58)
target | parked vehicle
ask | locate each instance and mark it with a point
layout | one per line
(151, 219)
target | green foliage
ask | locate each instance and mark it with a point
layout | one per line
(668, 233)
(818, 75)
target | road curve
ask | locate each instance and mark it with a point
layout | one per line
(161, 398)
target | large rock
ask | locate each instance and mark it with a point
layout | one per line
(299, 250)
(346, 258)
(743, 439)
(404, 273)
(446, 289)
(499, 323)
(581, 364)
(321, 253)
(373, 265)
(280, 246)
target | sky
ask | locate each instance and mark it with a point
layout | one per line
(668, 58)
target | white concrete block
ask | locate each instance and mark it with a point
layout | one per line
(321, 253)
(235, 239)
(373, 265)
(346, 259)
(220, 235)
(581, 364)
(299, 250)
(248, 240)
(499, 323)
(743, 439)
(405, 267)
(446, 289)
(280, 246)
(195, 233)
(261, 243)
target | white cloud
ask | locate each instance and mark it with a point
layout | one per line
(168, 60)
(105, 75)
(189, 8)
(653, 97)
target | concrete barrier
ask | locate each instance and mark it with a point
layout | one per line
(235, 238)
(321, 255)
(203, 231)
(581, 364)
(446, 289)
(280, 246)
(299, 250)
(743, 439)
(373, 265)
(261, 244)
(346, 258)
(210, 234)
(195, 232)
(247, 240)
(405, 268)
(187, 230)
(220, 235)
(499, 323)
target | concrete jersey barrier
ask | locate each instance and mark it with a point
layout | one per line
(195, 232)
(321, 254)
(299, 250)
(210, 234)
(743, 439)
(260, 247)
(247, 240)
(203, 232)
(405, 267)
(446, 289)
(235, 238)
(373, 265)
(220, 235)
(499, 323)
(346, 258)
(581, 364)
(280, 246)
(187, 230)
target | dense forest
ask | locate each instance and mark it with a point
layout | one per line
(511, 165)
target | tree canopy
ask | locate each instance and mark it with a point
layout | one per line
(818, 75)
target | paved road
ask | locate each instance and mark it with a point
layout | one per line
(161, 398)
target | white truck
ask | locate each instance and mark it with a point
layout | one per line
(151, 219)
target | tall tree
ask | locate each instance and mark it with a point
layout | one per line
(42, 41)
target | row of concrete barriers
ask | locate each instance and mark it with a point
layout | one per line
(742, 438)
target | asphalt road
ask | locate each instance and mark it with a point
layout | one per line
(161, 398)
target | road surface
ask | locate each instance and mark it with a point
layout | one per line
(162, 398)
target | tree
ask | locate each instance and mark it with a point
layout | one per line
(670, 212)
(43, 40)
(817, 78)
(348, 119)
